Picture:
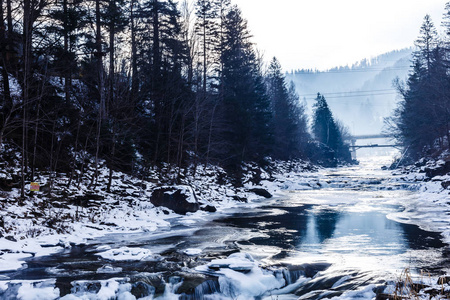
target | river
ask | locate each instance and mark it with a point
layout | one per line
(341, 240)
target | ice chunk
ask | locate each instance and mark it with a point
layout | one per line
(126, 253)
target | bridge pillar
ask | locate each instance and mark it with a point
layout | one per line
(353, 149)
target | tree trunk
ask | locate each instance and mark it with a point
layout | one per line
(3, 63)
(72, 171)
(134, 71)
(68, 70)
(156, 43)
(101, 112)
(205, 68)
(27, 39)
(112, 33)
(113, 152)
(36, 127)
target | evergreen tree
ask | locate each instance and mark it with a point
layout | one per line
(421, 121)
(326, 130)
(246, 105)
(289, 120)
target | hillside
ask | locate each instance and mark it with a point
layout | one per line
(361, 94)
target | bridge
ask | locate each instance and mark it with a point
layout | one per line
(371, 136)
(353, 147)
(356, 147)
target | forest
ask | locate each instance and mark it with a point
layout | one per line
(148, 150)
(141, 83)
(421, 121)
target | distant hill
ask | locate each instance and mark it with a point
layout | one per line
(361, 95)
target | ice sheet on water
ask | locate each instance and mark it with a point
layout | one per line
(192, 251)
(126, 253)
(366, 293)
(12, 261)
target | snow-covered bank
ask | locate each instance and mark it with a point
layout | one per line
(45, 223)
(212, 268)
(429, 206)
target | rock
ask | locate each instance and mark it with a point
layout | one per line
(389, 297)
(10, 238)
(8, 184)
(445, 184)
(87, 200)
(209, 208)
(443, 280)
(176, 199)
(438, 170)
(261, 192)
(141, 289)
(239, 199)
(197, 285)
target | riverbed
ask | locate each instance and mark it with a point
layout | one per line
(346, 238)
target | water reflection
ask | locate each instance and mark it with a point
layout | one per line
(306, 229)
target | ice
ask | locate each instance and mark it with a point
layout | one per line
(3, 286)
(12, 261)
(193, 251)
(37, 291)
(241, 277)
(108, 290)
(126, 253)
(365, 293)
(107, 269)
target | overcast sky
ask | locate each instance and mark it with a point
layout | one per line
(327, 33)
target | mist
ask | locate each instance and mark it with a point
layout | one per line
(362, 95)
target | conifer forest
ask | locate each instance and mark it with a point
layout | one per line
(150, 149)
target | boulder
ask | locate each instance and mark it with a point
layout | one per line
(209, 208)
(239, 199)
(142, 289)
(261, 192)
(439, 170)
(179, 199)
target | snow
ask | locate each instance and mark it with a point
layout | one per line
(126, 254)
(185, 190)
(240, 275)
(193, 251)
(113, 288)
(12, 261)
(361, 294)
(30, 292)
(242, 278)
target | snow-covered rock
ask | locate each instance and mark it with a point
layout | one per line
(180, 199)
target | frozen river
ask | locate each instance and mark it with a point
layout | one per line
(345, 239)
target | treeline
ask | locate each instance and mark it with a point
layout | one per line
(138, 83)
(421, 121)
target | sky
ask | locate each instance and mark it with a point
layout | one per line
(321, 34)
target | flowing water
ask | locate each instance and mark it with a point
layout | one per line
(340, 240)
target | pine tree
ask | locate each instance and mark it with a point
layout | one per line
(289, 121)
(426, 42)
(246, 105)
(327, 131)
(421, 120)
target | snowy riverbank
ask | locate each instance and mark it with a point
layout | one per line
(47, 223)
(44, 225)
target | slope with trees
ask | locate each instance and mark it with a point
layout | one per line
(421, 121)
(136, 85)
